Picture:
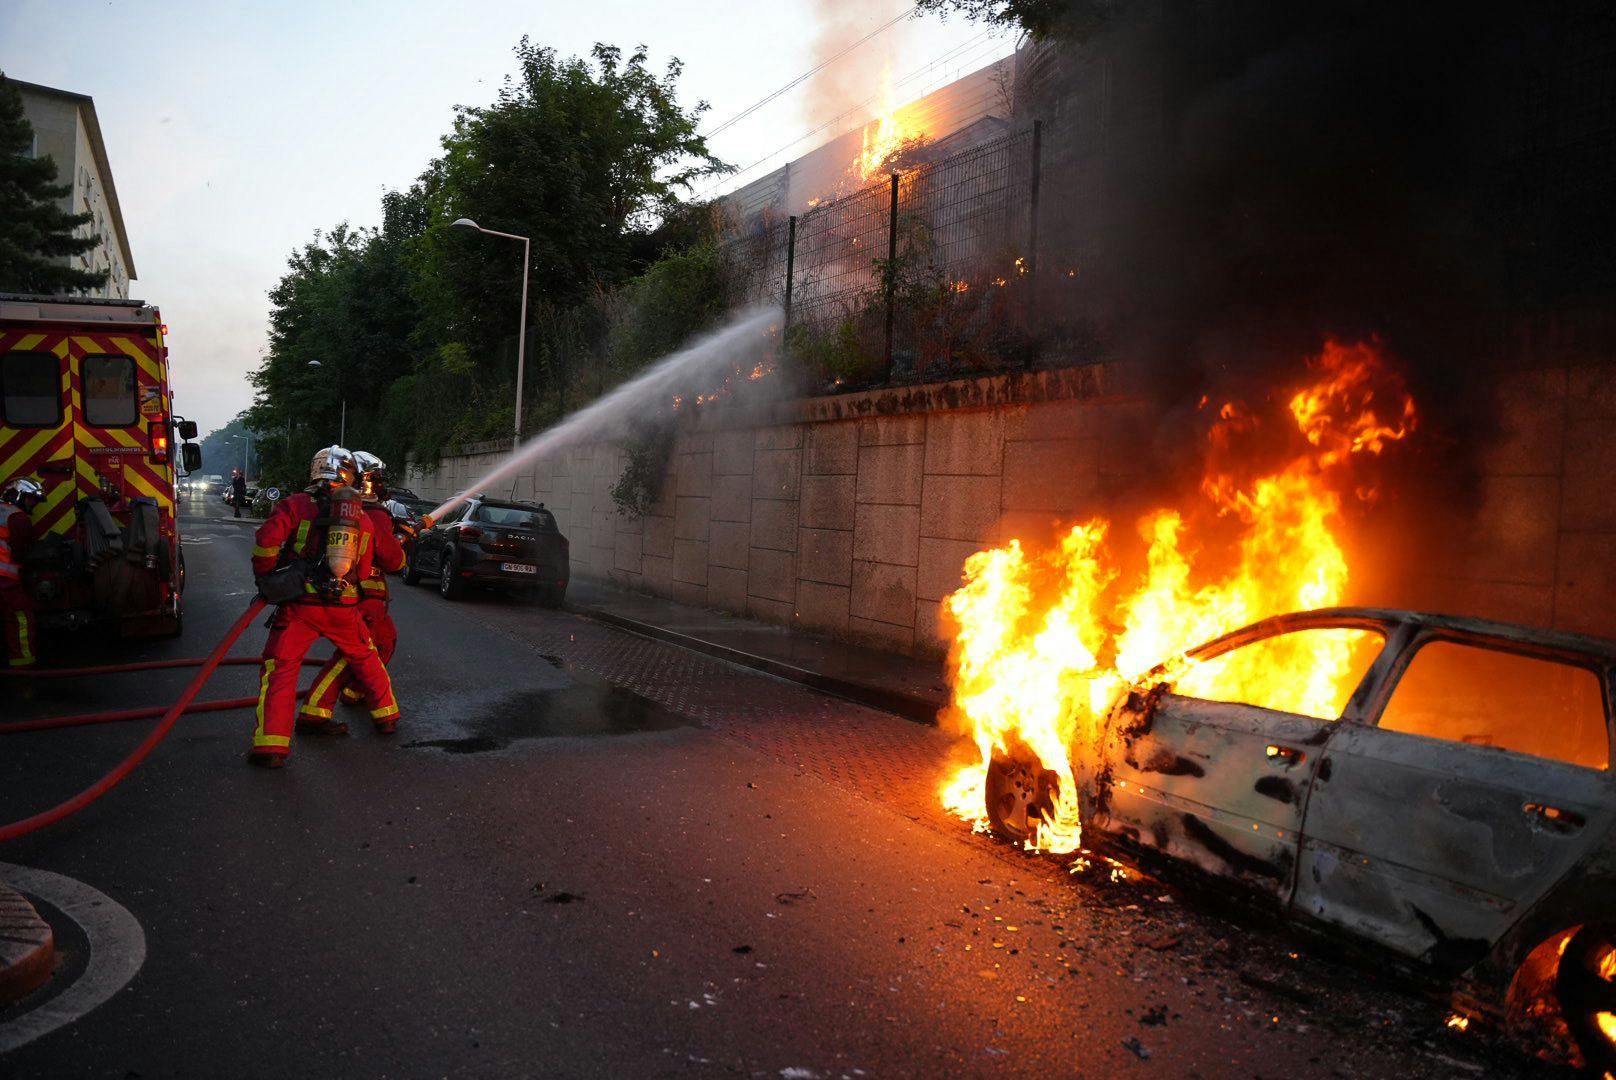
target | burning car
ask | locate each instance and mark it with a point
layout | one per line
(1434, 787)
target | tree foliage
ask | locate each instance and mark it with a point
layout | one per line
(1079, 19)
(36, 234)
(414, 323)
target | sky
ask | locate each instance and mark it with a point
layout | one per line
(237, 129)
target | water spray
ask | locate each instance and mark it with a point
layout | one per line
(730, 348)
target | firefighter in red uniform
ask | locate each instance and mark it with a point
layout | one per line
(17, 501)
(309, 558)
(317, 716)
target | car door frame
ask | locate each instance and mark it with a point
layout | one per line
(1450, 915)
(1233, 825)
(438, 537)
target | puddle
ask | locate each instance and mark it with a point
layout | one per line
(573, 712)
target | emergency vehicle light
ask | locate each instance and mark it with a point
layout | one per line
(158, 430)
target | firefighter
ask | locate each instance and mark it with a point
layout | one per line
(18, 499)
(317, 716)
(309, 558)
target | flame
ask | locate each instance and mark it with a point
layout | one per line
(1458, 1022)
(1044, 644)
(885, 136)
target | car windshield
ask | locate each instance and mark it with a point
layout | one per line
(514, 517)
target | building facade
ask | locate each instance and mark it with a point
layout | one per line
(66, 130)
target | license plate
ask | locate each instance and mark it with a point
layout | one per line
(518, 568)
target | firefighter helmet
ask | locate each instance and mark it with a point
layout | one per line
(335, 465)
(372, 475)
(22, 487)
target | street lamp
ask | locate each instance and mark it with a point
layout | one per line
(246, 452)
(521, 328)
(342, 430)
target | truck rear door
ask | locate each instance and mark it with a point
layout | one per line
(36, 428)
(118, 403)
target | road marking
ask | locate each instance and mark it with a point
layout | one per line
(117, 951)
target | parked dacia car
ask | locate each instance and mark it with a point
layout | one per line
(485, 541)
(1454, 808)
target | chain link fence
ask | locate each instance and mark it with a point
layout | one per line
(926, 274)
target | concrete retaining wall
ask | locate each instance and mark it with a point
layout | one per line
(853, 514)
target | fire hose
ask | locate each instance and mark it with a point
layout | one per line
(19, 829)
(139, 665)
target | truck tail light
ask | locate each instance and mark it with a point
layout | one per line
(158, 430)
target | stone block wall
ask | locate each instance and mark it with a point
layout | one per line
(853, 515)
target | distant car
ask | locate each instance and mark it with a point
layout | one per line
(225, 495)
(513, 545)
(1449, 801)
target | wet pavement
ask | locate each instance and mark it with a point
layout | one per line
(591, 853)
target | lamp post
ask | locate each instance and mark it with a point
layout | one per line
(342, 429)
(246, 452)
(521, 328)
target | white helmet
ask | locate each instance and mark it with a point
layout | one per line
(20, 488)
(372, 478)
(334, 464)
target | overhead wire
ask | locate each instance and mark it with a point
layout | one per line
(805, 76)
(950, 56)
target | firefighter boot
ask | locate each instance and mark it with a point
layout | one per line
(265, 760)
(321, 725)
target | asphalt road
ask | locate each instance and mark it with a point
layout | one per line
(588, 854)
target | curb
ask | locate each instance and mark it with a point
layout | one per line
(909, 706)
(27, 947)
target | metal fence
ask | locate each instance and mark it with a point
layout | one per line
(927, 273)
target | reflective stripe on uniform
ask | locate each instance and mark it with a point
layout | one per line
(302, 540)
(324, 685)
(265, 552)
(25, 648)
(259, 738)
(317, 713)
(384, 713)
(8, 570)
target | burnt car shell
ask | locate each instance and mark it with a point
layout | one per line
(1456, 857)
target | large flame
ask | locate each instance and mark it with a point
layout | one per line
(1044, 643)
(885, 137)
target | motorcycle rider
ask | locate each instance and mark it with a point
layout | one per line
(18, 499)
(317, 716)
(309, 558)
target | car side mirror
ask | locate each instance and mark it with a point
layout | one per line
(191, 456)
(187, 429)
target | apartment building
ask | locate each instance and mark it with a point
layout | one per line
(66, 129)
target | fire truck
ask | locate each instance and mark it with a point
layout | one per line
(86, 409)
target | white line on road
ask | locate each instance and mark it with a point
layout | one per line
(117, 951)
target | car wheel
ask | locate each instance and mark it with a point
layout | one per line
(1586, 985)
(412, 573)
(1018, 794)
(451, 586)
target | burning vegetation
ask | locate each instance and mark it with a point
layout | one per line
(1044, 642)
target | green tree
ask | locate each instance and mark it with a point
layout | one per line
(1079, 19)
(35, 232)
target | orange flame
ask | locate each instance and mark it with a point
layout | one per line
(884, 137)
(1044, 644)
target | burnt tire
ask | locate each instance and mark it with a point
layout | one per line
(1018, 794)
(1585, 983)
